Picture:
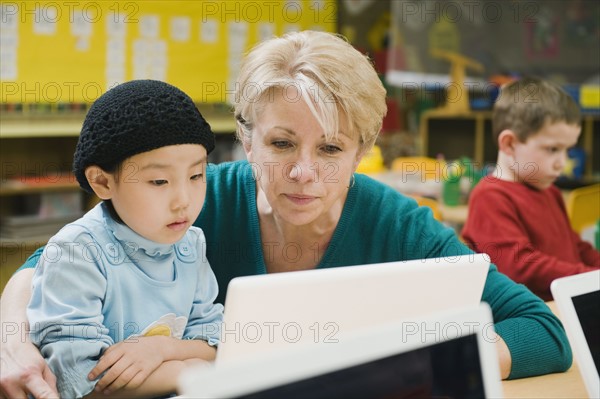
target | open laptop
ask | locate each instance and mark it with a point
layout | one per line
(451, 354)
(269, 312)
(578, 300)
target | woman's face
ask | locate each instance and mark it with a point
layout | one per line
(301, 173)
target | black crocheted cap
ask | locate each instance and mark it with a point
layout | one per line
(135, 117)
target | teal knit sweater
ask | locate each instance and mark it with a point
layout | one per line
(377, 225)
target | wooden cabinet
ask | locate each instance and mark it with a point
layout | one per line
(471, 135)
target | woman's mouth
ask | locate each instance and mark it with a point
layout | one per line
(300, 199)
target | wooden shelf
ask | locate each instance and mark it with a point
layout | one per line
(16, 188)
(470, 135)
(456, 136)
(69, 125)
(39, 127)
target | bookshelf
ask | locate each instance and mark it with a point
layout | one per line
(36, 152)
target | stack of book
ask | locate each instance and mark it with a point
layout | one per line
(42, 215)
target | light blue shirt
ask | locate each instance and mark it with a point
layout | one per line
(98, 283)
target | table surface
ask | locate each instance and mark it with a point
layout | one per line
(559, 385)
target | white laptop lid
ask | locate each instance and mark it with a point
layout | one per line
(578, 300)
(452, 354)
(268, 312)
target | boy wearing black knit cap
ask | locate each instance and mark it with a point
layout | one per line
(123, 298)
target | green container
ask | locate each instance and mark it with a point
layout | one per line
(451, 191)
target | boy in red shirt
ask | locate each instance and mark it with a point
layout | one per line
(517, 215)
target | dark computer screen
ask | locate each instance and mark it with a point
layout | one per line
(588, 312)
(450, 369)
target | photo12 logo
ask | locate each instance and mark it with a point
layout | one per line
(50, 92)
(290, 11)
(286, 332)
(473, 12)
(51, 12)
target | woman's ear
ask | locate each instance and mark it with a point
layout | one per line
(507, 139)
(101, 182)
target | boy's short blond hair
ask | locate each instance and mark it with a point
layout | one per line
(526, 105)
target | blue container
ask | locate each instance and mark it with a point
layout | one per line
(577, 154)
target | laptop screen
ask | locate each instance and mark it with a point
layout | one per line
(449, 369)
(588, 313)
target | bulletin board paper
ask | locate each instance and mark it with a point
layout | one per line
(73, 51)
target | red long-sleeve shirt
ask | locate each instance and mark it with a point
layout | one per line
(527, 234)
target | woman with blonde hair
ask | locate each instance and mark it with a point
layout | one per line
(308, 107)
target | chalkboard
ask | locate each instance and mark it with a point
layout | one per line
(73, 51)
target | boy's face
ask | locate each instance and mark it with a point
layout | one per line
(160, 193)
(540, 160)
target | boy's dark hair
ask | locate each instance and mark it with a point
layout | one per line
(135, 117)
(525, 105)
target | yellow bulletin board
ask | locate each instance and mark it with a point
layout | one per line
(73, 51)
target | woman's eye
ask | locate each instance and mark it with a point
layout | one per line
(281, 144)
(196, 177)
(331, 149)
(159, 182)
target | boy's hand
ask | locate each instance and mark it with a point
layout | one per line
(128, 362)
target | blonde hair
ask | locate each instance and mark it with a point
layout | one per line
(332, 77)
(526, 105)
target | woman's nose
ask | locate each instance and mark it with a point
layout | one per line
(304, 169)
